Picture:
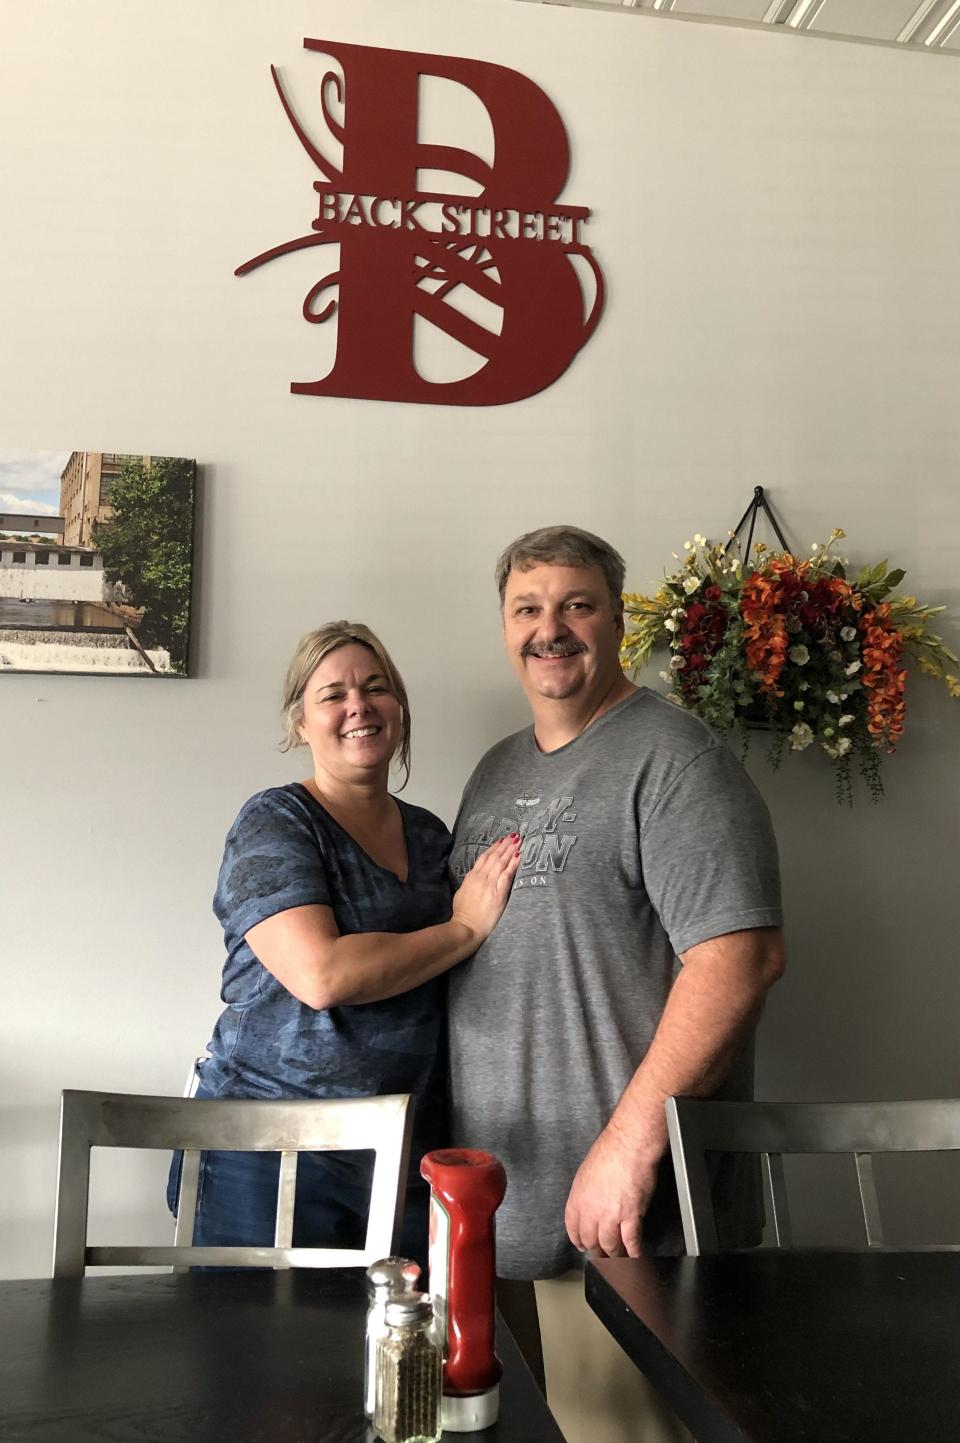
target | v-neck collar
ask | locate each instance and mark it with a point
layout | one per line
(387, 871)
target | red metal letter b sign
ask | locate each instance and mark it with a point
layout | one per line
(501, 267)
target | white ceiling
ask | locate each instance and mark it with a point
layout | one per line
(923, 24)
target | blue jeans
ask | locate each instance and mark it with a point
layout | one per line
(237, 1203)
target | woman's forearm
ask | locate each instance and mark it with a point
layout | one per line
(306, 953)
(370, 966)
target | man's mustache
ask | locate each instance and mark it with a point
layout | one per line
(552, 648)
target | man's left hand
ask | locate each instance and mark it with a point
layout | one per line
(609, 1197)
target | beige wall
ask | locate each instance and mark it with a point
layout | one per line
(777, 218)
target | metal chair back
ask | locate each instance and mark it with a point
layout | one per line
(770, 1129)
(112, 1119)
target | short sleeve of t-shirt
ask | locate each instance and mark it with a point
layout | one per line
(709, 854)
(271, 862)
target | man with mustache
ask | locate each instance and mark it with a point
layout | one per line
(631, 962)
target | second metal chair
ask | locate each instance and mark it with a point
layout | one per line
(771, 1129)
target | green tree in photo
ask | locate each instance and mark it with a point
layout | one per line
(146, 546)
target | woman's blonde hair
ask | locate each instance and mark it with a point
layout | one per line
(311, 651)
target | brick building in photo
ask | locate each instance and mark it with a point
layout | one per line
(85, 492)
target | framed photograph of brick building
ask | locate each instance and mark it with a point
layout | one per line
(96, 562)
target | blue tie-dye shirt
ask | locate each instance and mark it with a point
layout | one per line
(285, 850)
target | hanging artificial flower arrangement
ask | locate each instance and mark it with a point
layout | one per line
(792, 646)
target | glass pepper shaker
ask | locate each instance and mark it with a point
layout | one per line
(409, 1373)
(389, 1275)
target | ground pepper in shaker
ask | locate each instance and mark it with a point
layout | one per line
(408, 1375)
(466, 1188)
(389, 1275)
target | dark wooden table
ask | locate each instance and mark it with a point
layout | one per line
(238, 1357)
(779, 1347)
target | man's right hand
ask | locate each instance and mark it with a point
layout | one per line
(485, 889)
(610, 1195)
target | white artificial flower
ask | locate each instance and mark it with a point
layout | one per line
(837, 749)
(799, 655)
(834, 698)
(670, 624)
(848, 633)
(691, 584)
(815, 546)
(676, 662)
(688, 546)
(804, 686)
(846, 719)
(698, 538)
(852, 669)
(665, 676)
(800, 737)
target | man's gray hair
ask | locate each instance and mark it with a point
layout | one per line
(563, 546)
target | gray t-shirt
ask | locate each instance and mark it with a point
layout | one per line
(641, 838)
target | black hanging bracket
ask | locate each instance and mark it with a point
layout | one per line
(758, 504)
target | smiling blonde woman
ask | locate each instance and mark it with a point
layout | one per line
(338, 922)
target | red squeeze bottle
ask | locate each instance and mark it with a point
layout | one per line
(466, 1188)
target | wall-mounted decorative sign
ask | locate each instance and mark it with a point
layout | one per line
(792, 643)
(500, 266)
(96, 558)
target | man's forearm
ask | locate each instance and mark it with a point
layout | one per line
(712, 1008)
